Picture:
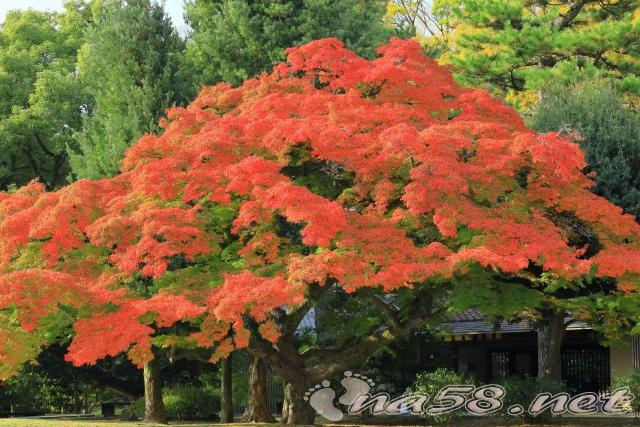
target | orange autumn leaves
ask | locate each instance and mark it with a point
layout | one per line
(414, 178)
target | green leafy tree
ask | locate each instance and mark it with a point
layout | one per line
(41, 98)
(236, 39)
(130, 65)
(516, 47)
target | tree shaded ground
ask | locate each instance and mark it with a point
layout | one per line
(101, 423)
(392, 420)
(595, 421)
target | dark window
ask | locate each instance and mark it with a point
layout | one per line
(500, 365)
(586, 369)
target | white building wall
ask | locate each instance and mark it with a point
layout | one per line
(622, 357)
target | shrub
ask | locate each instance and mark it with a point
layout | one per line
(183, 402)
(430, 383)
(186, 402)
(136, 409)
(522, 391)
(632, 382)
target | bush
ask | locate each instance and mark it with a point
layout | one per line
(135, 410)
(186, 402)
(632, 382)
(522, 391)
(430, 383)
(183, 403)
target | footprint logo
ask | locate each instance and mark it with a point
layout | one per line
(356, 385)
(321, 396)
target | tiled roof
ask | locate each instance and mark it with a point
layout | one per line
(472, 321)
(467, 316)
(467, 322)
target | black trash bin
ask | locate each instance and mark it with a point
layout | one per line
(108, 409)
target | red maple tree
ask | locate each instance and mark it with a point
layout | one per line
(382, 178)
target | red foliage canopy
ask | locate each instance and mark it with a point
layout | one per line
(393, 173)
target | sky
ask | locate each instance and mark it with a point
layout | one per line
(173, 7)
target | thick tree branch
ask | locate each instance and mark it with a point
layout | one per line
(566, 20)
(190, 354)
(44, 147)
(289, 321)
(32, 161)
(569, 322)
(55, 172)
(387, 310)
(356, 351)
(123, 388)
(286, 360)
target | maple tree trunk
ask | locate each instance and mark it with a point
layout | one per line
(153, 406)
(295, 410)
(226, 390)
(257, 408)
(301, 371)
(550, 336)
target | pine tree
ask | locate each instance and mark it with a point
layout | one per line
(516, 47)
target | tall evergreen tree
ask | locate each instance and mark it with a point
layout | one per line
(129, 64)
(236, 39)
(593, 114)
